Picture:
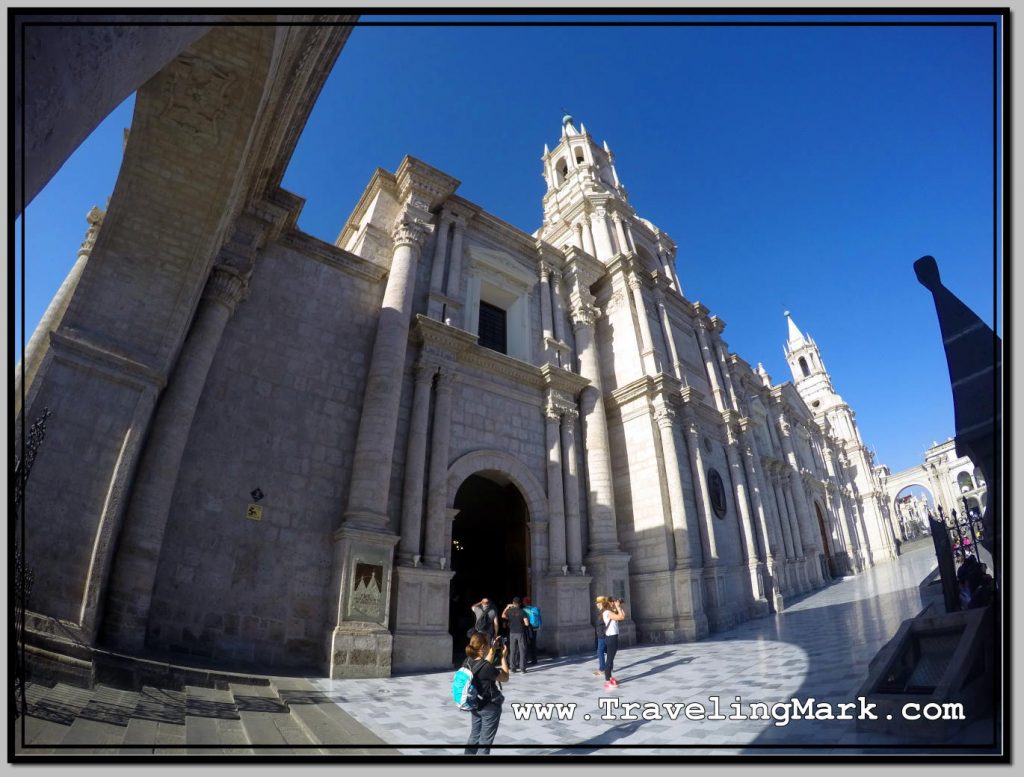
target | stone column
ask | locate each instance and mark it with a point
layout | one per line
(375, 441)
(769, 540)
(738, 478)
(437, 269)
(570, 479)
(578, 236)
(603, 533)
(630, 243)
(800, 543)
(837, 501)
(709, 364)
(785, 524)
(588, 236)
(646, 340)
(799, 497)
(685, 533)
(724, 366)
(409, 549)
(130, 590)
(556, 498)
(667, 334)
(700, 496)
(620, 234)
(35, 348)
(436, 552)
(602, 235)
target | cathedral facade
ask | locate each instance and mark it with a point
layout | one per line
(357, 440)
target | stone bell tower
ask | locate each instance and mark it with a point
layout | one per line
(814, 384)
(587, 206)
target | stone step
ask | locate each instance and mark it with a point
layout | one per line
(324, 722)
(275, 716)
(268, 721)
(212, 723)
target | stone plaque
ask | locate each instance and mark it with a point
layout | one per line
(368, 586)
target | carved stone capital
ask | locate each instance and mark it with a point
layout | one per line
(410, 231)
(664, 416)
(95, 220)
(584, 315)
(226, 286)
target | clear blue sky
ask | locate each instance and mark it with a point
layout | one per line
(797, 168)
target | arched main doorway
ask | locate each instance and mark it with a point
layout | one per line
(830, 564)
(490, 549)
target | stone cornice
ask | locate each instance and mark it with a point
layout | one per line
(316, 249)
(641, 388)
(417, 178)
(563, 380)
(503, 366)
(583, 266)
(434, 334)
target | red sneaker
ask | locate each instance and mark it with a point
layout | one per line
(614, 682)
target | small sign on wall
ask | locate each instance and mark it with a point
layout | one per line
(254, 512)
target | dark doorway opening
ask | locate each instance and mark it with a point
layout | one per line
(490, 550)
(824, 543)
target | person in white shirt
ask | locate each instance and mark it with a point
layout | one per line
(612, 613)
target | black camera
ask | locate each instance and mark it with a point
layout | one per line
(500, 642)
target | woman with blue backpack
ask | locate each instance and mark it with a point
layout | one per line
(481, 657)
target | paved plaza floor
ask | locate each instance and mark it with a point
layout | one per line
(819, 647)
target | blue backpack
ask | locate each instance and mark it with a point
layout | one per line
(464, 691)
(533, 613)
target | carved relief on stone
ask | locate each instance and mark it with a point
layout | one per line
(198, 95)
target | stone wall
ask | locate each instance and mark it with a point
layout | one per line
(280, 413)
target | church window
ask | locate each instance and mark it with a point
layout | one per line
(493, 330)
(716, 492)
(803, 367)
(579, 156)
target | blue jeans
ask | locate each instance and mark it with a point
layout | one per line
(601, 650)
(483, 730)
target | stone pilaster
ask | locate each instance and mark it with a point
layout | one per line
(755, 562)
(546, 322)
(436, 549)
(668, 334)
(685, 533)
(130, 589)
(646, 340)
(437, 268)
(570, 479)
(455, 270)
(409, 547)
(709, 364)
(556, 497)
(700, 487)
